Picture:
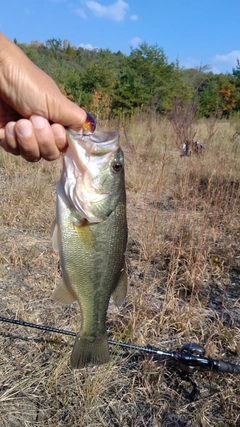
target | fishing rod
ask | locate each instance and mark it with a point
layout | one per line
(189, 357)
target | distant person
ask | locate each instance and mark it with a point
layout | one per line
(33, 112)
(185, 147)
(197, 147)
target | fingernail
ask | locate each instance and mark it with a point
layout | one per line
(38, 122)
(58, 131)
(24, 129)
(10, 130)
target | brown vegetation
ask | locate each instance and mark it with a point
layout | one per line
(183, 262)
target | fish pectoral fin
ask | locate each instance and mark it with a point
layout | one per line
(63, 295)
(121, 290)
(55, 236)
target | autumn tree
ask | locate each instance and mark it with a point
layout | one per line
(236, 82)
(227, 98)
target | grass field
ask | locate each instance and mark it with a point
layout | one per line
(183, 260)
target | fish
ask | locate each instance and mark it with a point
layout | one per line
(90, 234)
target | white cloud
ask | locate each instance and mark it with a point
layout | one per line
(81, 13)
(225, 63)
(88, 46)
(116, 11)
(217, 64)
(230, 58)
(135, 41)
(134, 17)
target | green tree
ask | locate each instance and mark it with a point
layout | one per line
(100, 73)
(143, 80)
(209, 97)
(54, 44)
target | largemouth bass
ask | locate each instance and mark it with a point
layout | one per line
(90, 234)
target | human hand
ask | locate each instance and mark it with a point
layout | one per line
(33, 112)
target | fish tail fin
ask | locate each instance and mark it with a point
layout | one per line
(89, 351)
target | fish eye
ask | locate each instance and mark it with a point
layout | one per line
(117, 166)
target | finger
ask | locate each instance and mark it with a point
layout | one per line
(2, 134)
(26, 140)
(45, 138)
(60, 136)
(67, 113)
(9, 143)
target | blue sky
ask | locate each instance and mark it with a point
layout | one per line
(197, 33)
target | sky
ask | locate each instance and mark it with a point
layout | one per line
(196, 33)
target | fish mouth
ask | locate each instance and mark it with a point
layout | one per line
(96, 143)
(84, 156)
(86, 147)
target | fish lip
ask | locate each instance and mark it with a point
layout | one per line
(96, 143)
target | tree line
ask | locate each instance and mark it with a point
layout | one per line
(114, 84)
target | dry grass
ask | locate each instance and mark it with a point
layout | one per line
(183, 261)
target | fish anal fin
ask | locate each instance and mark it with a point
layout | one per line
(119, 294)
(55, 236)
(87, 350)
(63, 295)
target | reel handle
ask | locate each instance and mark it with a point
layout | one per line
(191, 357)
(221, 366)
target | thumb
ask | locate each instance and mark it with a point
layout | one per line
(67, 113)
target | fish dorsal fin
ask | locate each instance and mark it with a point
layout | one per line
(63, 295)
(55, 236)
(121, 290)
